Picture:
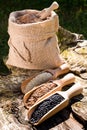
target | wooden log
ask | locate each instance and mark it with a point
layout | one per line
(12, 111)
(63, 120)
(80, 111)
(8, 122)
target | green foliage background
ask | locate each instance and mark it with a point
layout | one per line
(72, 16)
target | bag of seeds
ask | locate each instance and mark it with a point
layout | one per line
(33, 43)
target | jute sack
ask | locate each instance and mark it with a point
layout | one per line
(33, 45)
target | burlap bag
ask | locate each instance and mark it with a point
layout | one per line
(33, 45)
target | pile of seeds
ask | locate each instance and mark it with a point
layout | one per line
(28, 17)
(38, 80)
(45, 106)
(39, 92)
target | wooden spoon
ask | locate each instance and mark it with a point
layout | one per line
(66, 96)
(58, 85)
(47, 11)
(43, 77)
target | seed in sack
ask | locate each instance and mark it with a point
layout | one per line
(29, 17)
(45, 106)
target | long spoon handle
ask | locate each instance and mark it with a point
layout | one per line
(66, 80)
(46, 12)
(74, 90)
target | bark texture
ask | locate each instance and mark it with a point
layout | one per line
(13, 115)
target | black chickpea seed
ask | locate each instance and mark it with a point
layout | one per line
(46, 106)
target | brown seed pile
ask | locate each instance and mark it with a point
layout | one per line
(39, 92)
(28, 17)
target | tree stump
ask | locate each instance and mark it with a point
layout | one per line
(13, 114)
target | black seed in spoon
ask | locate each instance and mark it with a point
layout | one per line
(45, 106)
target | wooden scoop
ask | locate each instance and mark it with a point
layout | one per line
(66, 96)
(43, 77)
(47, 11)
(58, 85)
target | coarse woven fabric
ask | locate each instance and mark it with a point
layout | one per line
(34, 45)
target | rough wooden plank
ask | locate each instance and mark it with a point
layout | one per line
(61, 121)
(69, 124)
